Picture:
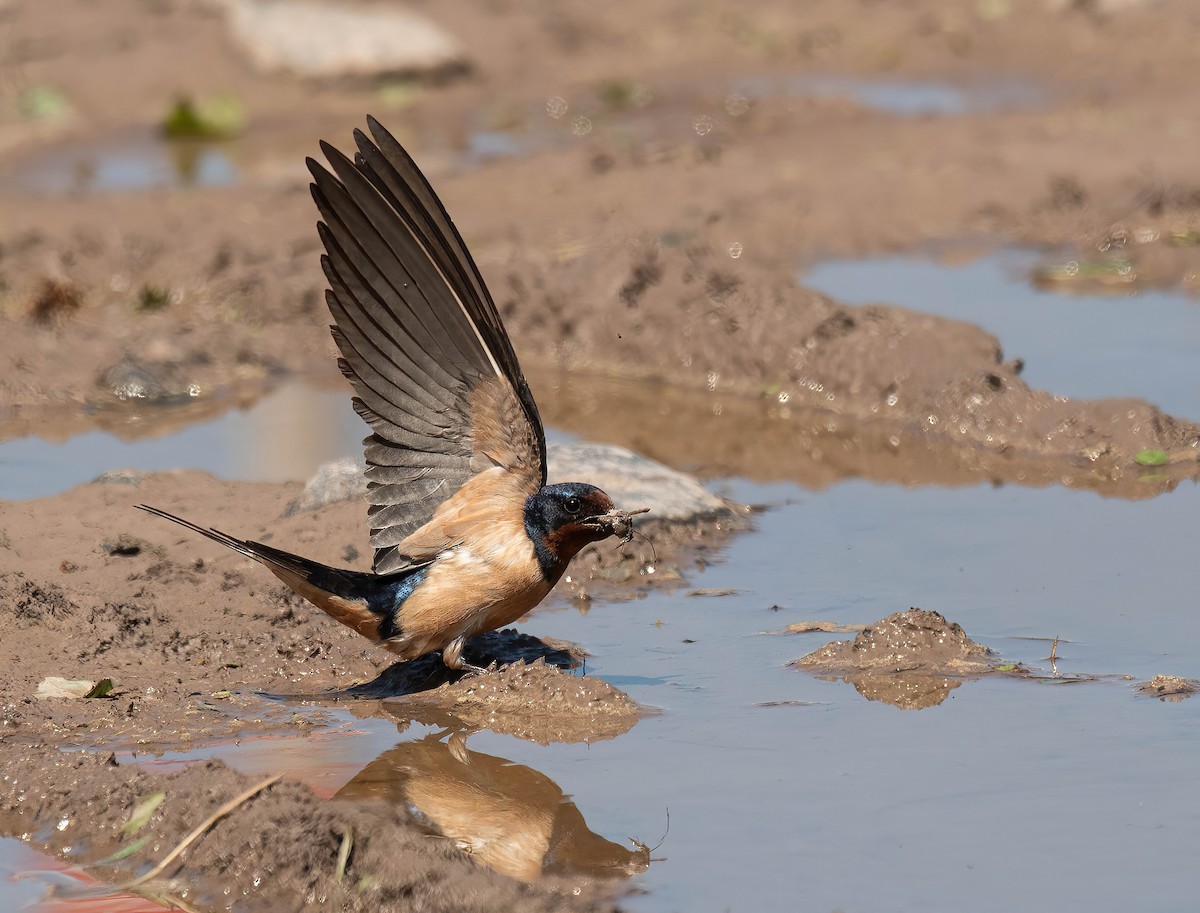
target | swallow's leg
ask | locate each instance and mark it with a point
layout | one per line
(452, 657)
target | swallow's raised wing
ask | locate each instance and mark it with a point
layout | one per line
(435, 375)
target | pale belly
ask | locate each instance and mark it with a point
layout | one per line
(468, 592)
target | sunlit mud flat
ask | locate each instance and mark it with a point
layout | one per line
(1131, 342)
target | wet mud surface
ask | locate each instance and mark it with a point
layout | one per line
(282, 843)
(639, 186)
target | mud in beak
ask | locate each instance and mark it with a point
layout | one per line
(617, 523)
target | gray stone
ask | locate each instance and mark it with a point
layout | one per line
(338, 480)
(333, 40)
(631, 480)
(634, 481)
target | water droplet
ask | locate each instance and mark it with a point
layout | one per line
(736, 104)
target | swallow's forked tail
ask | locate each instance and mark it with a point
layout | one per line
(351, 597)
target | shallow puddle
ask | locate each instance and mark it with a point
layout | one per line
(903, 98)
(283, 437)
(1142, 343)
(782, 789)
(36, 883)
(138, 159)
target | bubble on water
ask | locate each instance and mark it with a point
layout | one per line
(193, 389)
(1146, 235)
(894, 440)
(735, 249)
(892, 399)
(642, 95)
(931, 419)
(581, 126)
(556, 106)
(703, 125)
(63, 823)
(256, 880)
(713, 379)
(784, 397)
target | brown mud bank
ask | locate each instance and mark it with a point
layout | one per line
(281, 849)
(190, 633)
(881, 380)
(202, 646)
(659, 242)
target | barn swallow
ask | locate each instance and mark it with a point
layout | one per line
(468, 535)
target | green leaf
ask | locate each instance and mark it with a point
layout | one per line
(1151, 458)
(43, 103)
(222, 117)
(102, 688)
(141, 814)
(125, 851)
(343, 856)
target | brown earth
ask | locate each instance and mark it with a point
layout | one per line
(657, 252)
(194, 638)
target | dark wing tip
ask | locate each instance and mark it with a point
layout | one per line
(315, 168)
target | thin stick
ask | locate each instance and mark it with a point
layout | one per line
(201, 828)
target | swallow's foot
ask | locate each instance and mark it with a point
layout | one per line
(452, 657)
(475, 670)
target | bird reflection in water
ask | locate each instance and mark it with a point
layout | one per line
(509, 817)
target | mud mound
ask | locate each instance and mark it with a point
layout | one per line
(534, 701)
(1169, 688)
(911, 659)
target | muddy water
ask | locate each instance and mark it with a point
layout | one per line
(283, 437)
(1138, 343)
(826, 800)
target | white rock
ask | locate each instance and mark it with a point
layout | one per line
(333, 40)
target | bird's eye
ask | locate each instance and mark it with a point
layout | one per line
(573, 505)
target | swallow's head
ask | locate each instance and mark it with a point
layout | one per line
(561, 519)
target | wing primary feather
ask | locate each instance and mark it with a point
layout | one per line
(381, 274)
(428, 207)
(396, 176)
(390, 242)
